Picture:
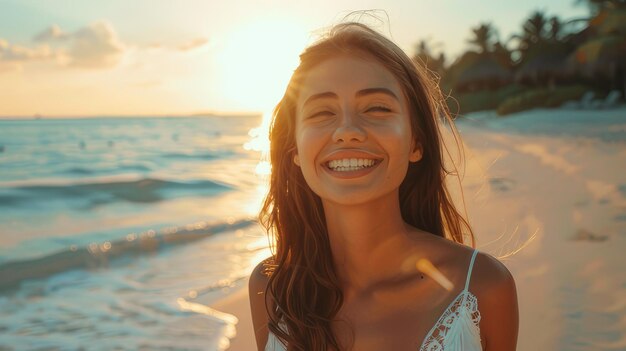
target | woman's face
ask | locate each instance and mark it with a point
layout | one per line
(353, 133)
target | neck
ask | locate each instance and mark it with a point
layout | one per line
(368, 242)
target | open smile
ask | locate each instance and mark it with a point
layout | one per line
(351, 167)
(350, 164)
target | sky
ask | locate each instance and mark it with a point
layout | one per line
(67, 58)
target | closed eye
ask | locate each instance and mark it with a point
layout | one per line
(379, 108)
(321, 113)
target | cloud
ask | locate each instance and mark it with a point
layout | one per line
(185, 46)
(194, 44)
(17, 53)
(13, 56)
(95, 46)
(52, 33)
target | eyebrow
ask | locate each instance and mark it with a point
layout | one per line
(360, 93)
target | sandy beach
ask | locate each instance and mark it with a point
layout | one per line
(545, 191)
(238, 305)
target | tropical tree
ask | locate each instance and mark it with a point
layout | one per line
(424, 55)
(502, 55)
(535, 28)
(534, 32)
(487, 67)
(596, 6)
(556, 27)
(483, 37)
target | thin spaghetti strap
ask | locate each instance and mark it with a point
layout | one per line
(469, 270)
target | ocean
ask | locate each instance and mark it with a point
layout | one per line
(117, 233)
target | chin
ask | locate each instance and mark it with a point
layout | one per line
(352, 199)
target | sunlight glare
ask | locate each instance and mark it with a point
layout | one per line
(259, 141)
(258, 59)
(255, 67)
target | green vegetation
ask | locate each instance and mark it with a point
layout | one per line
(483, 99)
(548, 63)
(540, 97)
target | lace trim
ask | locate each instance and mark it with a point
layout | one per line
(434, 340)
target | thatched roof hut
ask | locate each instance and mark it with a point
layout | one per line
(545, 69)
(600, 56)
(484, 73)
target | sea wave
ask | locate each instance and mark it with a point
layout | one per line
(84, 171)
(144, 190)
(94, 255)
(201, 156)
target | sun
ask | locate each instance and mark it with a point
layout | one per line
(255, 64)
(257, 59)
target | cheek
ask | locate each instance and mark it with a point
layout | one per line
(307, 143)
(308, 150)
(398, 139)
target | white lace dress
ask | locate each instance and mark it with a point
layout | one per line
(456, 330)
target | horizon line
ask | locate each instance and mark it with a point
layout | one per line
(143, 115)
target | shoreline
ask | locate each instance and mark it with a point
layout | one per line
(237, 304)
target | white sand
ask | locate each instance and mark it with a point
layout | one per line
(238, 305)
(561, 199)
(564, 188)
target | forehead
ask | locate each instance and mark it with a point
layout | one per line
(345, 75)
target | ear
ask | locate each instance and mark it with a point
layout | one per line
(296, 160)
(417, 153)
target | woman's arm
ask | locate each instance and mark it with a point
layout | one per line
(497, 302)
(256, 286)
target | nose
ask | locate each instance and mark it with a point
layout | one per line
(349, 129)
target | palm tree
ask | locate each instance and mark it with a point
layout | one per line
(535, 27)
(533, 32)
(595, 6)
(486, 68)
(502, 54)
(483, 35)
(556, 27)
(422, 47)
(424, 55)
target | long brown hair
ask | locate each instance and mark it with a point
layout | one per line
(303, 294)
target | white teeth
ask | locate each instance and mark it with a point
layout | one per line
(350, 164)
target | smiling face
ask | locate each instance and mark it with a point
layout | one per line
(353, 131)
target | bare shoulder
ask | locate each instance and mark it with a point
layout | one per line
(491, 276)
(257, 287)
(260, 275)
(494, 287)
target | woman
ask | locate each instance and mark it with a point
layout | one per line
(357, 199)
